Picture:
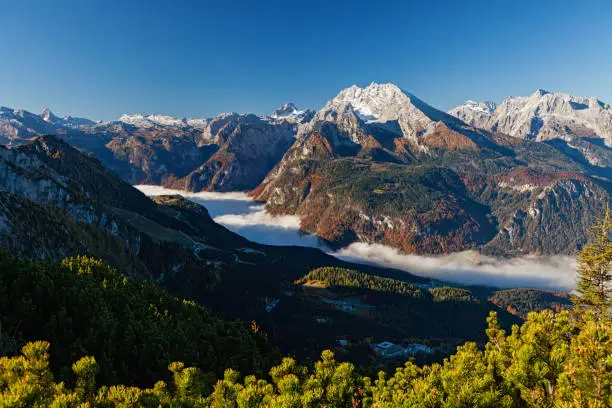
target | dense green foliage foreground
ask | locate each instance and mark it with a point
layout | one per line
(133, 328)
(562, 360)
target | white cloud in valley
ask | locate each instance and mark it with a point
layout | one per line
(240, 214)
(470, 268)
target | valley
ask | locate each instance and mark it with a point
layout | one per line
(375, 185)
(61, 203)
(240, 214)
(378, 166)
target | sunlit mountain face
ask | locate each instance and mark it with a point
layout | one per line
(379, 166)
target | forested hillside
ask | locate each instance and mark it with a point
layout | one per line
(347, 278)
(108, 329)
(560, 360)
(59, 203)
(298, 299)
(133, 328)
(522, 301)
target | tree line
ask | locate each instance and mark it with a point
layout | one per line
(335, 277)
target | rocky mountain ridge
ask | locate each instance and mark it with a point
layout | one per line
(56, 202)
(377, 164)
(543, 116)
(230, 151)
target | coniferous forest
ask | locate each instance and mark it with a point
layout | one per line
(147, 348)
(552, 360)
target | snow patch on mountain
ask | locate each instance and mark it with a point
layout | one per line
(152, 120)
(285, 111)
(542, 116)
(382, 105)
(48, 116)
(291, 113)
(485, 107)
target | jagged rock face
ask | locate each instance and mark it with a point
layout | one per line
(474, 113)
(148, 149)
(230, 151)
(48, 116)
(16, 125)
(357, 172)
(48, 213)
(291, 113)
(250, 149)
(542, 116)
(341, 126)
(153, 120)
(154, 158)
(40, 185)
(544, 213)
(88, 179)
(66, 121)
(378, 108)
(56, 202)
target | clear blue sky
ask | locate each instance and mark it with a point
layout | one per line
(102, 58)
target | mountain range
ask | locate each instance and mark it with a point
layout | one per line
(57, 202)
(375, 164)
(580, 127)
(379, 165)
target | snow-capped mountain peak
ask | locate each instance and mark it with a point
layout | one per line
(287, 110)
(385, 106)
(485, 107)
(540, 92)
(152, 120)
(376, 102)
(291, 113)
(66, 121)
(387, 102)
(48, 116)
(543, 115)
(197, 122)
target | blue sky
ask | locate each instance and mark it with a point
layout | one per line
(102, 58)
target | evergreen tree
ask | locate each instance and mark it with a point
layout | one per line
(594, 272)
(555, 360)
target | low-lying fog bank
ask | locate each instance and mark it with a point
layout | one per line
(237, 212)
